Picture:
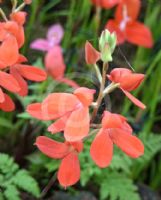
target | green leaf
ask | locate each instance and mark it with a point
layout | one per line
(1, 196)
(7, 165)
(117, 186)
(5, 123)
(24, 115)
(12, 179)
(11, 193)
(52, 165)
(24, 181)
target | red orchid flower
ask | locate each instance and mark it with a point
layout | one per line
(22, 71)
(14, 82)
(54, 63)
(9, 83)
(19, 18)
(12, 38)
(71, 109)
(14, 27)
(115, 130)
(128, 82)
(91, 54)
(69, 170)
(7, 104)
(9, 51)
(105, 3)
(127, 27)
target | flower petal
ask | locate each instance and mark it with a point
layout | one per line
(9, 51)
(35, 110)
(18, 31)
(31, 73)
(7, 105)
(58, 104)
(52, 148)
(131, 81)
(21, 59)
(111, 120)
(69, 82)
(69, 170)
(2, 97)
(40, 44)
(78, 146)
(102, 149)
(85, 95)
(59, 125)
(105, 3)
(134, 100)
(91, 54)
(8, 82)
(77, 126)
(113, 26)
(128, 143)
(22, 83)
(132, 8)
(55, 34)
(19, 17)
(118, 74)
(139, 34)
(54, 62)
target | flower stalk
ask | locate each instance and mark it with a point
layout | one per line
(3, 15)
(100, 96)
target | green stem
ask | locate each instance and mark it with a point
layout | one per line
(33, 17)
(99, 76)
(3, 15)
(100, 96)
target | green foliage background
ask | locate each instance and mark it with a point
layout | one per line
(18, 130)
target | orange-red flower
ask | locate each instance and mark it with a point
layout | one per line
(12, 38)
(7, 104)
(128, 82)
(91, 54)
(115, 130)
(69, 170)
(23, 71)
(105, 3)
(71, 109)
(9, 51)
(8, 82)
(127, 27)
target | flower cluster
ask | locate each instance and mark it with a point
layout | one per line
(54, 61)
(72, 117)
(13, 67)
(125, 22)
(70, 112)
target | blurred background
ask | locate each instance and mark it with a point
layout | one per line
(25, 173)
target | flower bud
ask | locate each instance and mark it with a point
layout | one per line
(107, 44)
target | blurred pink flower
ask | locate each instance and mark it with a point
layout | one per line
(53, 37)
(55, 66)
(54, 61)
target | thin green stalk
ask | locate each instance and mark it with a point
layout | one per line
(69, 25)
(31, 22)
(102, 87)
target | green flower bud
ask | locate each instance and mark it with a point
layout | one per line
(106, 54)
(107, 44)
